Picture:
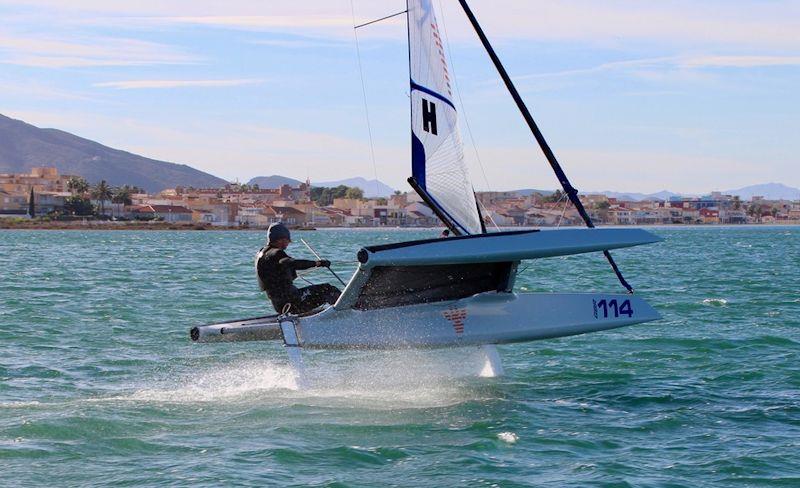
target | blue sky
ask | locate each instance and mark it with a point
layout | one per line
(633, 96)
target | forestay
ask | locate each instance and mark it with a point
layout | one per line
(437, 156)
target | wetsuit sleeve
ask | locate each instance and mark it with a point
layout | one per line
(296, 264)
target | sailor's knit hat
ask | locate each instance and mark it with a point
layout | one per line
(277, 231)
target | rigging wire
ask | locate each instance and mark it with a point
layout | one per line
(564, 211)
(486, 212)
(364, 92)
(378, 20)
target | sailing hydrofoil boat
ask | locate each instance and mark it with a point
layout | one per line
(458, 291)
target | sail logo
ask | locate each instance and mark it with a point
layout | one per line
(438, 42)
(429, 117)
(456, 317)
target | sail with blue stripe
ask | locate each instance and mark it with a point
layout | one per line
(437, 155)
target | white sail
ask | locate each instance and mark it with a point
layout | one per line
(437, 159)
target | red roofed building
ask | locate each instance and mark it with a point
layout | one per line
(709, 216)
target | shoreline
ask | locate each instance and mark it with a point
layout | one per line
(161, 226)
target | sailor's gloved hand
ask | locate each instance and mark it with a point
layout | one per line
(324, 263)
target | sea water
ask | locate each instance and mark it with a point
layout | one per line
(100, 384)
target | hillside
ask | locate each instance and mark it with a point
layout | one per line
(24, 146)
(274, 181)
(770, 191)
(372, 188)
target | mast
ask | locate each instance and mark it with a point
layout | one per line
(480, 214)
(571, 192)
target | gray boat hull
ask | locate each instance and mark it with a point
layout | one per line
(486, 318)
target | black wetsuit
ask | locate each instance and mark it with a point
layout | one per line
(276, 274)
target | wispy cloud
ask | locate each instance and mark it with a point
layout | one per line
(679, 22)
(301, 43)
(682, 22)
(49, 52)
(614, 65)
(157, 84)
(263, 21)
(674, 62)
(39, 90)
(738, 61)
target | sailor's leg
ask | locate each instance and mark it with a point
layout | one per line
(315, 295)
(493, 366)
(330, 293)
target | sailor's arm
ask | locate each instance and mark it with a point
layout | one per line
(300, 264)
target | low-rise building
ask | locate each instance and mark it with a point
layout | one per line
(167, 213)
(733, 216)
(255, 216)
(264, 216)
(621, 216)
(540, 217)
(49, 201)
(41, 179)
(13, 203)
(709, 215)
(289, 215)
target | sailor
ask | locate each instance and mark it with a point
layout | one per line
(277, 272)
(445, 234)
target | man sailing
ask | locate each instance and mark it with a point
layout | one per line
(277, 271)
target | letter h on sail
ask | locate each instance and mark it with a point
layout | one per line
(429, 117)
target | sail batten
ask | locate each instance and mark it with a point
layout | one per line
(437, 155)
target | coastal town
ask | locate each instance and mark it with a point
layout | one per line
(44, 195)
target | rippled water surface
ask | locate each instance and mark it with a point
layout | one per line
(99, 384)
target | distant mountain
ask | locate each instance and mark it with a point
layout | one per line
(274, 181)
(770, 191)
(24, 146)
(530, 191)
(662, 195)
(372, 188)
(637, 197)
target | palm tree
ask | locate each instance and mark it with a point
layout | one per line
(754, 210)
(555, 197)
(102, 192)
(122, 195)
